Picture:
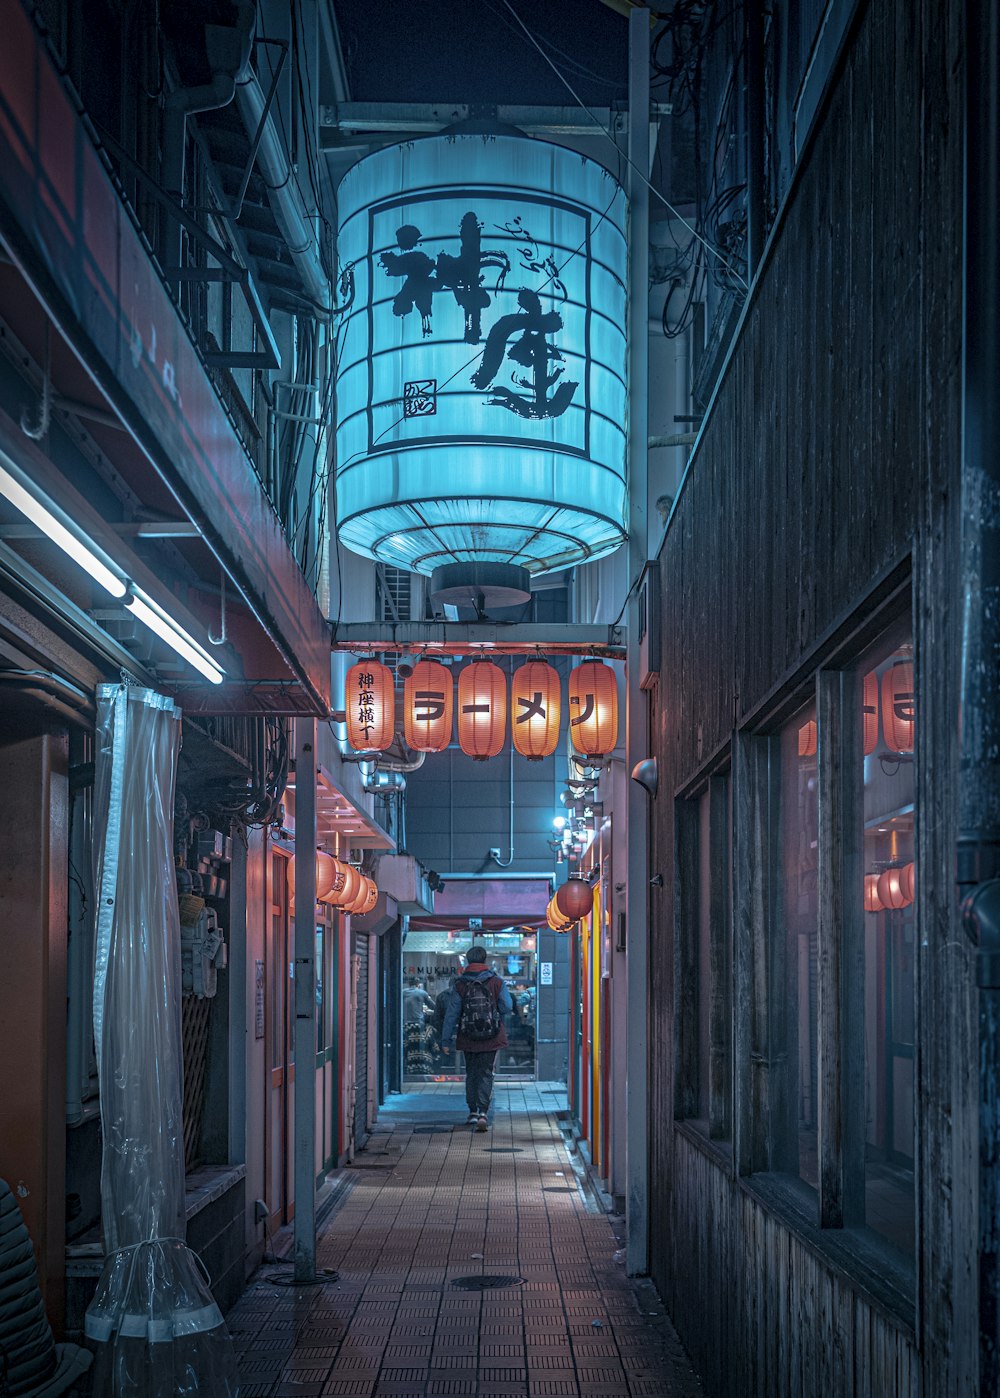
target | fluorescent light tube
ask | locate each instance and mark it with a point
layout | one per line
(71, 544)
(174, 635)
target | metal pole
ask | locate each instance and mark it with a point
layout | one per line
(636, 720)
(305, 1000)
(979, 789)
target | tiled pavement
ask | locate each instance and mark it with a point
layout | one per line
(431, 1204)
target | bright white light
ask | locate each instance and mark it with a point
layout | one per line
(72, 546)
(177, 638)
(559, 823)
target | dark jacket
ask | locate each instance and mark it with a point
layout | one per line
(497, 988)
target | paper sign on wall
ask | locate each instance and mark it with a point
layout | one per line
(546, 972)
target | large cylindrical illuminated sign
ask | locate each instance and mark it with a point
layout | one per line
(481, 374)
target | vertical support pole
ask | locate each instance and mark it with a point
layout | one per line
(237, 978)
(979, 718)
(305, 1000)
(636, 719)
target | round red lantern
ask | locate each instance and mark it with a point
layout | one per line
(870, 712)
(338, 885)
(899, 706)
(367, 897)
(326, 871)
(371, 706)
(593, 708)
(890, 889)
(873, 903)
(910, 881)
(808, 739)
(428, 701)
(535, 710)
(574, 898)
(482, 710)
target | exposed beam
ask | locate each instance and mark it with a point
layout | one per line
(402, 118)
(468, 638)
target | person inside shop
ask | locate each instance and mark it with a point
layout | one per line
(418, 1047)
(474, 1023)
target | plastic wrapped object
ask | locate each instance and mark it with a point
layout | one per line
(158, 1331)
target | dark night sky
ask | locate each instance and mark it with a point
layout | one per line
(474, 51)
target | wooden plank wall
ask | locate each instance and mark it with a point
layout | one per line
(832, 456)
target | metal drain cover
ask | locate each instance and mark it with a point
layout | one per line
(558, 1189)
(430, 1130)
(505, 1150)
(487, 1282)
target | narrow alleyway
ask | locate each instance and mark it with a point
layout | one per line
(469, 1264)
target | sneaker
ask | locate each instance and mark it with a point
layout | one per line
(473, 1118)
(481, 1123)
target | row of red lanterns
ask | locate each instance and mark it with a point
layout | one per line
(340, 884)
(891, 890)
(571, 901)
(429, 707)
(898, 712)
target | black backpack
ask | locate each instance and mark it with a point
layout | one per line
(480, 1017)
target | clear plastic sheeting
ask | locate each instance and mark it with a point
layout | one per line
(157, 1329)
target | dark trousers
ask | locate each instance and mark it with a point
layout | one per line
(479, 1080)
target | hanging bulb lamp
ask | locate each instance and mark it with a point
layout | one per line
(890, 889)
(428, 702)
(371, 706)
(482, 710)
(873, 903)
(574, 898)
(898, 706)
(593, 708)
(535, 710)
(808, 739)
(870, 712)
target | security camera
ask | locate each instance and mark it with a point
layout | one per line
(646, 775)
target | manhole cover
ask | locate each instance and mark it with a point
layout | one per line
(430, 1130)
(505, 1150)
(488, 1282)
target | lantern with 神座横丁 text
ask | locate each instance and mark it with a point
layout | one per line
(370, 704)
(428, 701)
(535, 708)
(593, 708)
(482, 709)
(899, 706)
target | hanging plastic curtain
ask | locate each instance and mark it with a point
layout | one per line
(158, 1330)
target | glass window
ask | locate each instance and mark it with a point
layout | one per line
(887, 836)
(796, 1138)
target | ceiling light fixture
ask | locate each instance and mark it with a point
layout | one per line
(82, 553)
(146, 610)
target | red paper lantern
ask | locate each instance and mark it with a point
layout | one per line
(338, 883)
(574, 898)
(371, 706)
(910, 881)
(873, 903)
(482, 710)
(593, 707)
(808, 738)
(428, 701)
(535, 710)
(555, 918)
(890, 889)
(326, 872)
(367, 897)
(870, 712)
(899, 706)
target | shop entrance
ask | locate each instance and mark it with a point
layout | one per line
(430, 962)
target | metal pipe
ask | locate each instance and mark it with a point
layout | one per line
(304, 1240)
(979, 716)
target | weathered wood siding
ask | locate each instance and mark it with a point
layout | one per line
(831, 459)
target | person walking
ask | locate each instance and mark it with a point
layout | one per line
(473, 1021)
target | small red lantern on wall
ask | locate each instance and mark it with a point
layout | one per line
(808, 738)
(899, 706)
(370, 705)
(574, 898)
(593, 708)
(428, 703)
(890, 889)
(482, 710)
(873, 903)
(870, 712)
(535, 710)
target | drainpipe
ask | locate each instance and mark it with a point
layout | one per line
(282, 188)
(979, 716)
(228, 52)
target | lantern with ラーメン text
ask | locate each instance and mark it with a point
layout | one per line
(370, 704)
(593, 708)
(482, 710)
(428, 702)
(873, 903)
(869, 705)
(574, 898)
(535, 709)
(891, 892)
(899, 706)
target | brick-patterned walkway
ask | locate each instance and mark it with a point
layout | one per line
(433, 1203)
